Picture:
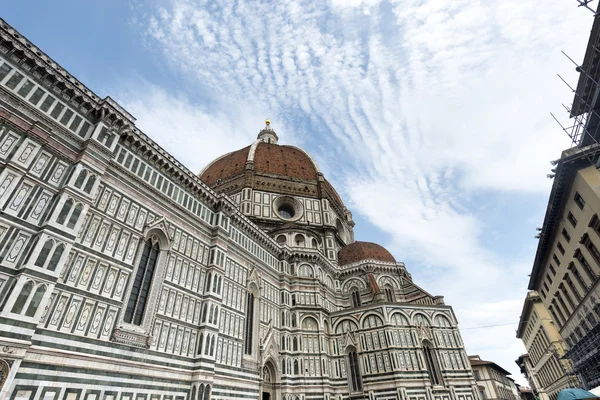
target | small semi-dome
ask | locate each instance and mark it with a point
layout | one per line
(358, 251)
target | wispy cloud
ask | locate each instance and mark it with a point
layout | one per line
(413, 108)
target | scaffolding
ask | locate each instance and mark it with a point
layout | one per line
(584, 131)
(585, 358)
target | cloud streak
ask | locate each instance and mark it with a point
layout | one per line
(413, 108)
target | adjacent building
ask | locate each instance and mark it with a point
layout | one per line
(126, 276)
(543, 365)
(529, 372)
(566, 269)
(567, 266)
(493, 382)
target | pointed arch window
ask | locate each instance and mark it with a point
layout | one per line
(90, 184)
(432, 365)
(54, 260)
(81, 178)
(34, 304)
(249, 323)
(354, 377)
(62, 216)
(389, 294)
(44, 253)
(141, 284)
(22, 298)
(356, 300)
(75, 216)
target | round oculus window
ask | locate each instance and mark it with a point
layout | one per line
(287, 208)
(286, 211)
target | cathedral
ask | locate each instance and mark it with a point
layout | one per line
(126, 276)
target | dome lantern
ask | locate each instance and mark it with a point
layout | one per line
(267, 134)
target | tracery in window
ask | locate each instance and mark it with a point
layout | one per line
(354, 376)
(355, 297)
(399, 320)
(442, 321)
(389, 294)
(22, 298)
(34, 304)
(432, 364)
(141, 285)
(420, 319)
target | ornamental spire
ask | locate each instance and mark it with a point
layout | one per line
(267, 134)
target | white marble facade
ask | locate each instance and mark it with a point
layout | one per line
(123, 276)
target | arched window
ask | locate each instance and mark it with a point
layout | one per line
(200, 343)
(296, 369)
(315, 245)
(442, 321)
(22, 298)
(35, 301)
(212, 346)
(81, 178)
(58, 252)
(90, 184)
(299, 239)
(389, 294)
(355, 296)
(206, 393)
(207, 288)
(295, 344)
(310, 324)
(306, 271)
(420, 319)
(249, 323)
(141, 284)
(204, 311)
(432, 365)
(75, 216)
(281, 239)
(216, 315)
(399, 320)
(354, 377)
(193, 395)
(62, 216)
(44, 253)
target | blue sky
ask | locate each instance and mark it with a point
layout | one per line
(430, 117)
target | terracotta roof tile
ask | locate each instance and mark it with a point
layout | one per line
(228, 166)
(359, 251)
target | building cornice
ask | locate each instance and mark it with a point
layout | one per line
(571, 161)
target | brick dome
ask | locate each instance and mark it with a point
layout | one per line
(267, 158)
(359, 251)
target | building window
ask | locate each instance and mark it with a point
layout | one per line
(560, 248)
(579, 200)
(141, 285)
(22, 298)
(571, 218)
(476, 375)
(389, 294)
(566, 235)
(354, 377)
(556, 260)
(35, 301)
(432, 367)
(482, 393)
(249, 323)
(552, 269)
(356, 300)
